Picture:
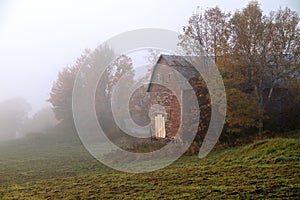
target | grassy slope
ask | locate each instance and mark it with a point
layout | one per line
(53, 167)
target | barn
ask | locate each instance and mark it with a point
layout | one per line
(169, 88)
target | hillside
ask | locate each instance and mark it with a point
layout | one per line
(51, 167)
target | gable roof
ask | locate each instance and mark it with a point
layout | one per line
(180, 64)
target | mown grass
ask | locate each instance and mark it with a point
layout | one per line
(53, 167)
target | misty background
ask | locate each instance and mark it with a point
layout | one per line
(39, 38)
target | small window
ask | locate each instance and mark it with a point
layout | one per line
(169, 77)
(158, 77)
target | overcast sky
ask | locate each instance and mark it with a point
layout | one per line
(38, 38)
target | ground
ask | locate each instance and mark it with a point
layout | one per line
(51, 167)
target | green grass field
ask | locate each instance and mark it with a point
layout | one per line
(53, 167)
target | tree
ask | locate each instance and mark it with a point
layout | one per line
(268, 48)
(255, 53)
(40, 122)
(61, 92)
(120, 67)
(208, 34)
(13, 113)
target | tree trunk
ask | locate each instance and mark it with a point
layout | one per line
(261, 126)
(261, 106)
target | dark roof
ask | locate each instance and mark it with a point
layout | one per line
(180, 64)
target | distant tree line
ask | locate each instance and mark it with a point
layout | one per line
(15, 119)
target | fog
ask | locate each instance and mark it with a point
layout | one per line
(16, 122)
(39, 38)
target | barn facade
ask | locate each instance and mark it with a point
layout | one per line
(169, 86)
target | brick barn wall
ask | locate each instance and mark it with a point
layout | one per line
(167, 98)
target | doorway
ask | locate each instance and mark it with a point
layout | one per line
(160, 130)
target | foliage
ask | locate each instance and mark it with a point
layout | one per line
(255, 53)
(13, 113)
(61, 93)
(40, 122)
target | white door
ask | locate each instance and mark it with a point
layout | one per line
(160, 131)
